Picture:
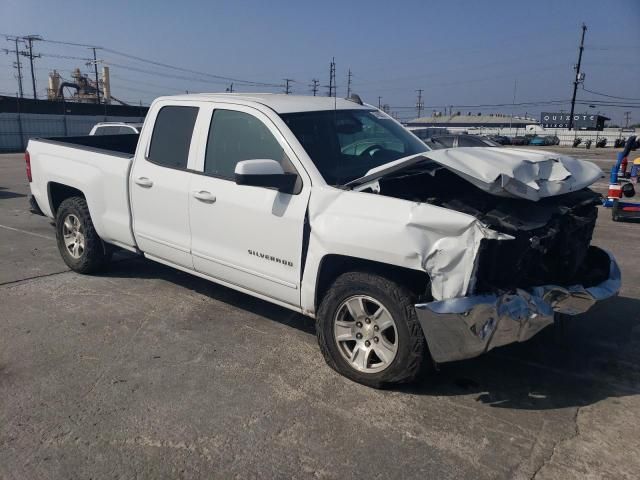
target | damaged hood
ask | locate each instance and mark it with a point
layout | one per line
(518, 173)
(505, 172)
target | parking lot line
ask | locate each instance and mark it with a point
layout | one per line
(27, 232)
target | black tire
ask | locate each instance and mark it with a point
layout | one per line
(96, 253)
(412, 357)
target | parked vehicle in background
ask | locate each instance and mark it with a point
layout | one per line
(500, 139)
(404, 256)
(116, 128)
(544, 141)
(463, 140)
(538, 141)
(520, 140)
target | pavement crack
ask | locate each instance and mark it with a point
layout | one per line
(28, 279)
(554, 449)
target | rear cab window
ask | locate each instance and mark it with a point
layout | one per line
(171, 137)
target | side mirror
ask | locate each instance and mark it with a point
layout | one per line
(265, 173)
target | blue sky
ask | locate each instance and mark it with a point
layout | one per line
(458, 52)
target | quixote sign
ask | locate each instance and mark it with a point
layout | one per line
(561, 120)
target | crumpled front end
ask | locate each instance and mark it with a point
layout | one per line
(466, 327)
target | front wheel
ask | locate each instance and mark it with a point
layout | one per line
(368, 330)
(78, 242)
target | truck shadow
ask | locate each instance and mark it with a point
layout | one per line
(4, 193)
(126, 265)
(596, 356)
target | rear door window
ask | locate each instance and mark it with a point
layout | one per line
(171, 136)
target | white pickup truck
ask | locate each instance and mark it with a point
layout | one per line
(405, 257)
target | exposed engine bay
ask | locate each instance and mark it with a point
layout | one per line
(552, 236)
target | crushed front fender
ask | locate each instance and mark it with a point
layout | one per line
(466, 327)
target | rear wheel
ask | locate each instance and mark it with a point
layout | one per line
(78, 242)
(368, 330)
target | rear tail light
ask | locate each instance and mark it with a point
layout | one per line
(27, 159)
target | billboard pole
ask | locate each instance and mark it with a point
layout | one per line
(578, 78)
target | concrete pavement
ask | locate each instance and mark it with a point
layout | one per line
(146, 372)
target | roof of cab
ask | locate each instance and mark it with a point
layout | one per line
(280, 103)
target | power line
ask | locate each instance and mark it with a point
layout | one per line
(160, 64)
(168, 75)
(610, 96)
(66, 57)
(187, 70)
(490, 105)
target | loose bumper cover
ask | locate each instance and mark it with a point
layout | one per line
(466, 327)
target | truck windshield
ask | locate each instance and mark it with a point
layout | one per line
(346, 144)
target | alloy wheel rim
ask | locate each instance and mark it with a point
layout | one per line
(365, 333)
(73, 236)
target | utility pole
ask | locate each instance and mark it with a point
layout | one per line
(30, 39)
(287, 85)
(17, 64)
(349, 75)
(95, 70)
(419, 104)
(579, 76)
(626, 119)
(332, 77)
(314, 86)
(19, 67)
(379, 103)
(513, 105)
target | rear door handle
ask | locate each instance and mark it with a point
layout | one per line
(144, 182)
(204, 196)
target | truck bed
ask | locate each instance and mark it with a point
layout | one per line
(98, 167)
(111, 144)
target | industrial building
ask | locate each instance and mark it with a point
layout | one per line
(581, 121)
(72, 108)
(457, 121)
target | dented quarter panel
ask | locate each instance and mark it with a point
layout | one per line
(419, 236)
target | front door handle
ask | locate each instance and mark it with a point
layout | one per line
(144, 182)
(204, 196)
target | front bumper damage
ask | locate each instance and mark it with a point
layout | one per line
(466, 327)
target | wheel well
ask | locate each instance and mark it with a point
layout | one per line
(332, 266)
(59, 193)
